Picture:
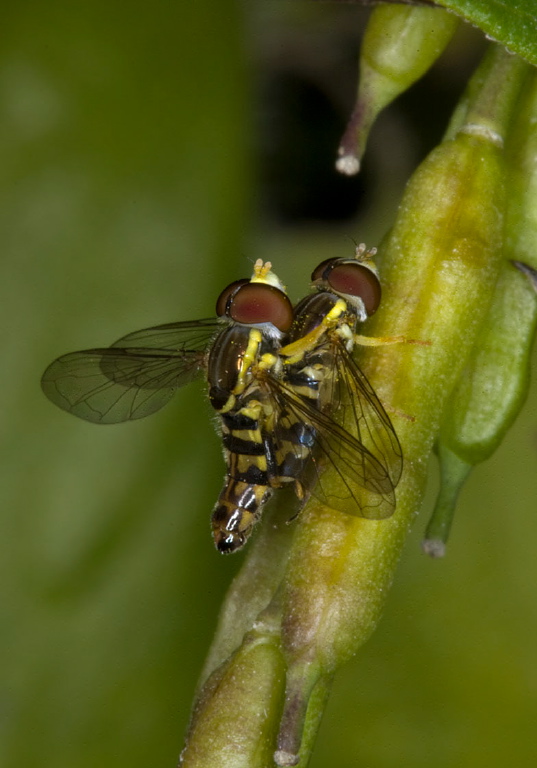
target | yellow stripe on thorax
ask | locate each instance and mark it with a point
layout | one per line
(294, 352)
(249, 358)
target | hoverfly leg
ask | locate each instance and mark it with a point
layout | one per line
(401, 414)
(379, 341)
(273, 472)
(302, 494)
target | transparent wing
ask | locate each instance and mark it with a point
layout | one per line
(179, 337)
(134, 378)
(359, 408)
(327, 460)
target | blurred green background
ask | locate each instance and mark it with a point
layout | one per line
(149, 153)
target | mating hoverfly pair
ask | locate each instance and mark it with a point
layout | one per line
(278, 377)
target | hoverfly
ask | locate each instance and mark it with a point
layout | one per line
(139, 373)
(319, 368)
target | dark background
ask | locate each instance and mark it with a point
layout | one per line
(149, 154)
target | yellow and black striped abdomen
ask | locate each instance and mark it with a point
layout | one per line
(251, 472)
(295, 437)
(237, 510)
(245, 447)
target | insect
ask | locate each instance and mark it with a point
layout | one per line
(318, 367)
(139, 373)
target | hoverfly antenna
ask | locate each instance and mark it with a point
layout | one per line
(363, 253)
(365, 256)
(263, 274)
(261, 269)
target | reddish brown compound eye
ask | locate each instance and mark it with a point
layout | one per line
(227, 294)
(260, 303)
(323, 269)
(353, 279)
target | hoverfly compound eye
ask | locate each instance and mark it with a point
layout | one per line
(323, 270)
(227, 296)
(256, 303)
(353, 279)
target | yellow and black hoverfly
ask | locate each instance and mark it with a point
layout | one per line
(319, 368)
(139, 373)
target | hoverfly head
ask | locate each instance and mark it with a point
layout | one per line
(260, 301)
(354, 280)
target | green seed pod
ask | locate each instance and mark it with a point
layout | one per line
(400, 44)
(238, 706)
(494, 384)
(440, 265)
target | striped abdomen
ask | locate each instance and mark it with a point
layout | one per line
(251, 475)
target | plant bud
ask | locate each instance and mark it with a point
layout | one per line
(400, 44)
(494, 383)
(238, 706)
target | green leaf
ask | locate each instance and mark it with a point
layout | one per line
(510, 22)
